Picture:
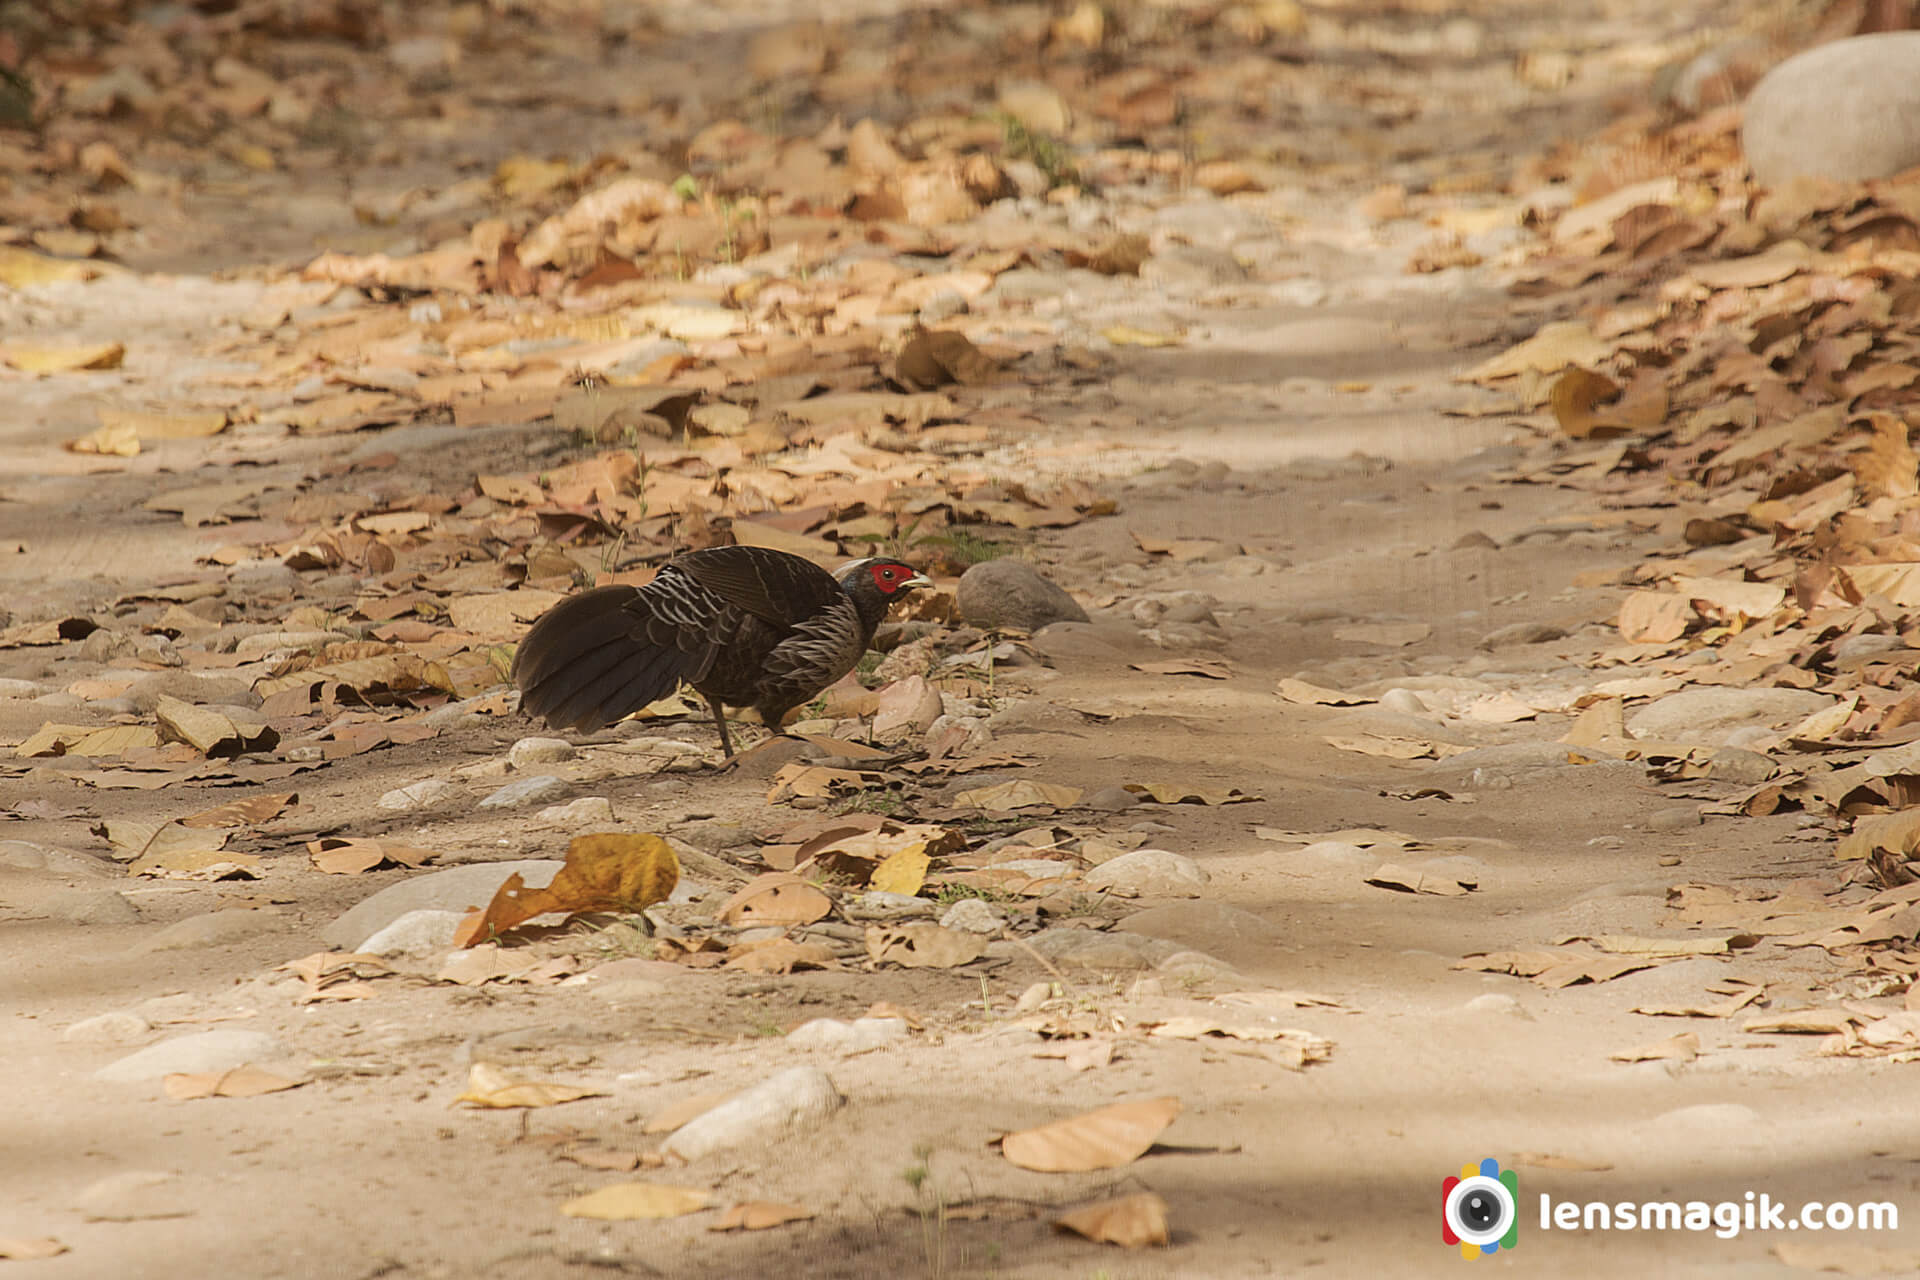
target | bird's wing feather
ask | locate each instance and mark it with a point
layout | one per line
(773, 586)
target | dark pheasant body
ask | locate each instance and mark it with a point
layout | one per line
(745, 626)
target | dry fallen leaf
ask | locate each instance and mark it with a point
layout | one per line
(1020, 794)
(1316, 695)
(242, 813)
(759, 1215)
(1132, 1222)
(1391, 876)
(775, 898)
(1103, 1139)
(609, 872)
(923, 946)
(240, 1082)
(627, 1201)
(490, 1087)
(1684, 1047)
(345, 857)
(902, 871)
(676, 1114)
(29, 1248)
(1188, 793)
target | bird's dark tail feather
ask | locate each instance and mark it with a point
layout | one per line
(585, 664)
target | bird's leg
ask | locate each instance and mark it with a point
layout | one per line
(720, 722)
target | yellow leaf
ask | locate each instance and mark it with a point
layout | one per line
(758, 1215)
(624, 1201)
(604, 872)
(1126, 335)
(163, 426)
(64, 358)
(121, 441)
(490, 1087)
(903, 871)
(23, 269)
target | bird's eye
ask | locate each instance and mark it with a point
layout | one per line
(887, 574)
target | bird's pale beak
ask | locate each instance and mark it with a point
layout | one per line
(917, 580)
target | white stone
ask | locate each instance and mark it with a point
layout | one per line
(973, 916)
(107, 1028)
(526, 791)
(587, 811)
(1848, 110)
(796, 1099)
(455, 889)
(532, 751)
(421, 932)
(1158, 873)
(220, 1050)
(417, 796)
(858, 1036)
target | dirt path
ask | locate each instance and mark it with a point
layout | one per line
(1345, 517)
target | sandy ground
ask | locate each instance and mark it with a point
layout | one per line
(1351, 490)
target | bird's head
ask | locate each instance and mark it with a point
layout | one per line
(876, 576)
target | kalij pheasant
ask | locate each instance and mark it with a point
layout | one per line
(745, 626)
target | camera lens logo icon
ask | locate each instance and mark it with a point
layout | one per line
(1480, 1209)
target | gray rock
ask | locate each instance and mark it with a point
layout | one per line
(187, 687)
(94, 906)
(1012, 593)
(454, 889)
(1151, 873)
(587, 811)
(213, 929)
(1711, 715)
(1748, 768)
(220, 1050)
(796, 1099)
(22, 689)
(532, 751)
(1196, 966)
(421, 932)
(974, 916)
(25, 855)
(137, 1195)
(1405, 702)
(1848, 110)
(419, 795)
(1192, 267)
(534, 790)
(858, 1036)
(108, 1028)
(1674, 818)
(1111, 799)
(1498, 1004)
(1196, 923)
(1333, 856)
(1522, 633)
(876, 904)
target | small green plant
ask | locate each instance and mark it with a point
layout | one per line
(932, 1209)
(966, 548)
(1048, 154)
(948, 894)
(687, 187)
(885, 803)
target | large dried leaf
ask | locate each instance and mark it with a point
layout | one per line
(629, 1201)
(351, 855)
(923, 946)
(776, 898)
(1020, 794)
(240, 1082)
(760, 1215)
(611, 872)
(1132, 1222)
(1103, 1139)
